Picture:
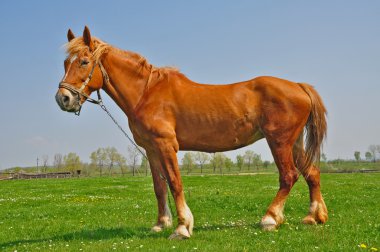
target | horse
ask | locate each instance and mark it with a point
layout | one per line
(168, 112)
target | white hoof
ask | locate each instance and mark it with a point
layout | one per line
(180, 233)
(157, 228)
(268, 223)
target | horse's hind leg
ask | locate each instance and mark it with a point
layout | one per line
(318, 210)
(282, 154)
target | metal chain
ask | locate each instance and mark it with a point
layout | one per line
(122, 130)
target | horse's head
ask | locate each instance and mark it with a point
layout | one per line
(82, 73)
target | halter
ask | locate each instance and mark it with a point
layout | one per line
(80, 92)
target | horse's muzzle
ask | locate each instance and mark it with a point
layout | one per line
(67, 101)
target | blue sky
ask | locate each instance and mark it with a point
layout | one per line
(333, 45)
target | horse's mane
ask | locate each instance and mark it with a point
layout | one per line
(77, 45)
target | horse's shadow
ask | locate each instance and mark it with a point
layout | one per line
(90, 235)
(111, 233)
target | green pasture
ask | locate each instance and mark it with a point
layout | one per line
(116, 214)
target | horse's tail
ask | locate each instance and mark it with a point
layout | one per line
(315, 128)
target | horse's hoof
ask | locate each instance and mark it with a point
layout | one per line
(181, 233)
(163, 223)
(157, 229)
(309, 220)
(268, 223)
(317, 213)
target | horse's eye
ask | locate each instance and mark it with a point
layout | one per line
(84, 62)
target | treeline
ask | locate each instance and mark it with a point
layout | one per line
(200, 162)
(103, 161)
(109, 161)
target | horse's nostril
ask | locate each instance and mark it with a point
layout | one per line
(65, 99)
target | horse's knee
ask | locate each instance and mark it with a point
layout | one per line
(288, 179)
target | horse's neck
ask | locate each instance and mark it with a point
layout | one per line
(127, 84)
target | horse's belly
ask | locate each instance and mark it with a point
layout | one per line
(218, 137)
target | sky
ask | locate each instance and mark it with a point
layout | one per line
(333, 45)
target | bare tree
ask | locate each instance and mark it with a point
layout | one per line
(133, 157)
(45, 161)
(58, 161)
(201, 158)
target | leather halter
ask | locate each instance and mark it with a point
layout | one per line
(80, 92)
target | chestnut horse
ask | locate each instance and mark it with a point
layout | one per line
(167, 112)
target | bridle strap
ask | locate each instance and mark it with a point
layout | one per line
(106, 78)
(80, 91)
(70, 87)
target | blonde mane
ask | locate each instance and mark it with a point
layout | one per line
(77, 45)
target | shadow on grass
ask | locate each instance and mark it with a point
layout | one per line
(111, 233)
(90, 235)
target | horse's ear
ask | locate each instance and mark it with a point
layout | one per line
(70, 35)
(87, 38)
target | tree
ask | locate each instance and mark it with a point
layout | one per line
(257, 160)
(121, 162)
(217, 161)
(201, 158)
(72, 162)
(57, 163)
(144, 165)
(228, 163)
(357, 156)
(98, 159)
(373, 150)
(324, 157)
(111, 156)
(368, 156)
(266, 164)
(133, 158)
(248, 158)
(188, 161)
(239, 161)
(45, 161)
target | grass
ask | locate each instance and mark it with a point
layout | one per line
(116, 213)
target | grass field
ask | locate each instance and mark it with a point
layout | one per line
(107, 214)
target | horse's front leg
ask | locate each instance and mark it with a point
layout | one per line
(167, 151)
(164, 218)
